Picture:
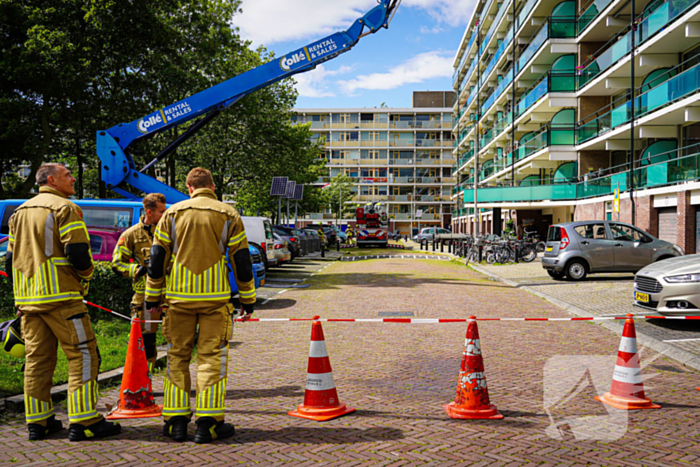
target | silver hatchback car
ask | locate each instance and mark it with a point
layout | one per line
(575, 249)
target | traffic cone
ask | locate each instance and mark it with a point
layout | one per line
(321, 401)
(472, 398)
(136, 394)
(627, 389)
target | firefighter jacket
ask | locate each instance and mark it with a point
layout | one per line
(50, 254)
(197, 235)
(134, 243)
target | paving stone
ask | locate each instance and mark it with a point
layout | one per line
(398, 376)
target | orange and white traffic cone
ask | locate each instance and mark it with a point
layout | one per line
(136, 394)
(472, 398)
(320, 399)
(627, 389)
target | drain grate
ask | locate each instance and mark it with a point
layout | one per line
(408, 314)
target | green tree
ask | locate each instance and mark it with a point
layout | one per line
(338, 193)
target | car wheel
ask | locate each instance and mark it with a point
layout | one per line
(576, 270)
(557, 276)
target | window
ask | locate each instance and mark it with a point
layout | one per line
(104, 216)
(592, 231)
(95, 244)
(608, 210)
(3, 247)
(625, 233)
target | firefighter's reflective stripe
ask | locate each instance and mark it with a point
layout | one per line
(153, 295)
(247, 293)
(176, 401)
(43, 286)
(11, 238)
(211, 284)
(236, 239)
(162, 236)
(36, 410)
(73, 226)
(81, 404)
(210, 402)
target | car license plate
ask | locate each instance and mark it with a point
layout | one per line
(548, 249)
(642, 297)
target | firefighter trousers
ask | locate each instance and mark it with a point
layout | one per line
(70, 326)
(149, 330)
(179, 329)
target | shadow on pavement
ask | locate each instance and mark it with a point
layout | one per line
(282, 391)
(676, 324)
(395, 279)
(325, 435)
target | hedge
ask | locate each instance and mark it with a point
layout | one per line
(107, 289)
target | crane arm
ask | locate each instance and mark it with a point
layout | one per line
(117, 166)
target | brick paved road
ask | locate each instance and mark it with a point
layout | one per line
(600, 295)
(398, 376)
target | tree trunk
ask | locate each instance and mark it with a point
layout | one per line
(36, 160)
(79, 161)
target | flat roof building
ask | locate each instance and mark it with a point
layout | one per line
(401, 156)
(559, 103)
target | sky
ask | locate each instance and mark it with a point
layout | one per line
(416, 53)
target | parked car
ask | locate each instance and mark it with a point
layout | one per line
(427, 233)
(258, 231)
(342, 236)
(576, 249)
(331, 237)
(293, 243)
(112, 215)
(669, 287)
(282, 253)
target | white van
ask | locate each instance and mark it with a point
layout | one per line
(258, 230)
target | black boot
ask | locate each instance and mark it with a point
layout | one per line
(37, 431)
(176, 428)
(208, 429)
(101, 429)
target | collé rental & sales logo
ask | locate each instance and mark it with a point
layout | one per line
(286, 62)
(145, 123)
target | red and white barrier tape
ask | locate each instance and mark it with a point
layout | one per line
(454, 320)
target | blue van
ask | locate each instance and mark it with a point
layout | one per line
(117, 214)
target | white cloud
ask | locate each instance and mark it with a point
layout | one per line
(428, 65)
(315, 84)
(270, 21)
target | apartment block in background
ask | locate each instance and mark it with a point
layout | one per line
(402, 157)
(549, 123)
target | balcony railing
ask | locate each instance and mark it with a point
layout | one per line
(589, 13)
(649, 23)
(683, 165)
(676, 86)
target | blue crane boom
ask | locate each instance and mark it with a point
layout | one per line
(117, 166)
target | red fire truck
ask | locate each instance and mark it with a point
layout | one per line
(372, 225)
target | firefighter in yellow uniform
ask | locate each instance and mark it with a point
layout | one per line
(135, 243)
(51, 264)
(197, 235)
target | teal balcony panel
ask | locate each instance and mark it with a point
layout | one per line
(534, 95)
(650, 24)
(590, 13)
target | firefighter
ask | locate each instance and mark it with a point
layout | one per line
(321, 235)
(195, 235)
(351, 235)
(51, 268)
(135, 243)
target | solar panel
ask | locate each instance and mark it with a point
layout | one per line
(291, 185)
(279, 186)
(298, 192)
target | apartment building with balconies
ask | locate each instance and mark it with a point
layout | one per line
(560, 103)
(399, 156)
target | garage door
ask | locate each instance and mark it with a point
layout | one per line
(697, 229)
(667, 224)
